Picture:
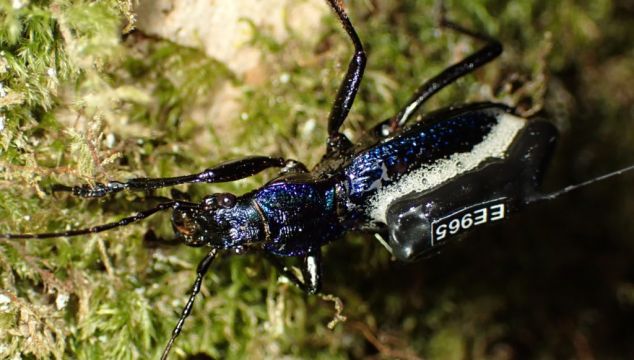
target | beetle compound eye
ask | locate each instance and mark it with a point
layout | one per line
(215, 201)
(226, 200)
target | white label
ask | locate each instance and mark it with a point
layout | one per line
(467, 218)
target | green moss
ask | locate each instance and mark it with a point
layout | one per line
(82, 105)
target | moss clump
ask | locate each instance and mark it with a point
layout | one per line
(81, 102)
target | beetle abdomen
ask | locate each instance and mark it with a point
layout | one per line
(419, 223)
(428, 154)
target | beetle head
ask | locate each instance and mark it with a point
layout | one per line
(221, 220)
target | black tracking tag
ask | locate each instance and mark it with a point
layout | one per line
(466, 218)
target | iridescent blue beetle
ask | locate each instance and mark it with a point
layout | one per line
(418, 186)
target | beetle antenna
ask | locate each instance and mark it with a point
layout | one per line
(99, 228)
(203, 267)
(570, 188)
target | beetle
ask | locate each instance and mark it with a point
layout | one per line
(418, 185)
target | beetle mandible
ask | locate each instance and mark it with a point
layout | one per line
(418, 185)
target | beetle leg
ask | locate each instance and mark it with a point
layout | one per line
(286, 272)
(202, 269)
(311, 272)
(225, 172)
(491, 50)
(349, 86)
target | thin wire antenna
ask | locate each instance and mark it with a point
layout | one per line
(100, 228)
(570, 188)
